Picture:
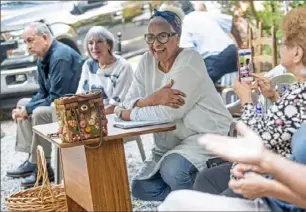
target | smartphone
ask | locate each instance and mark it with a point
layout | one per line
(245, 65)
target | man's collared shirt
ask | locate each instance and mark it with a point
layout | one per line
(58, 74)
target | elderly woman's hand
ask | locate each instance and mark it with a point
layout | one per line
(244, 91)
(240, 169)
(252, 186)
(168, 96)
(247, 149)
(126, 115)
(266, 88)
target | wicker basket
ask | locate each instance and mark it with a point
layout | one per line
(46, 197)
(81, 117)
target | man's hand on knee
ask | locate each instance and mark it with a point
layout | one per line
(19, 113)
(14, 114)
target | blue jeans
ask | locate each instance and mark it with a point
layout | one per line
(223, 63)
(175, 173)
(298, 146)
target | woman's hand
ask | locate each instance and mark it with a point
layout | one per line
(246, 149)
(109, 109)
(126, 115)
(266, 88)
(168, 96)
(244, 91)
(240, 169)
(252, 186)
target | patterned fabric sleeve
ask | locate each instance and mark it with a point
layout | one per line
(84, 80)
(282, 120)
(122, 85)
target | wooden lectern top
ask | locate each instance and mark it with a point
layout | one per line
(114, 133)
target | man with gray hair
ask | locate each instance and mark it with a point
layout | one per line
(59, 68)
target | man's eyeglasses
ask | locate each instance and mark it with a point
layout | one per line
(162, 37)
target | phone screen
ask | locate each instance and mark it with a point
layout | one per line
(246, 66)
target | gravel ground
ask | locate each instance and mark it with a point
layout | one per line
(11, 159)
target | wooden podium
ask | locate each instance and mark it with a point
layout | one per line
(96, 179)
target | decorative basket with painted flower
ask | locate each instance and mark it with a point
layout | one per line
(81, 117)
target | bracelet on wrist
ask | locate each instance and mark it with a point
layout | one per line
(118, 111)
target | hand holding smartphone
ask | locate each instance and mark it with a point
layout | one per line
(245, 65)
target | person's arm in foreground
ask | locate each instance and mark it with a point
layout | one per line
(252, 186)
(250, 150)
(287, 172)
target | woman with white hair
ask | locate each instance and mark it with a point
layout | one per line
(171, 84)
(104, 70)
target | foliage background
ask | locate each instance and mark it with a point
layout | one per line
(270, 14)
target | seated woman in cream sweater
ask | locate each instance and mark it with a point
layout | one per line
(172, 84)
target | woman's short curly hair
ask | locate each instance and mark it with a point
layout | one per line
(294, 29)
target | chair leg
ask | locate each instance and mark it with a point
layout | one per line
(58, 172)
(141, 149)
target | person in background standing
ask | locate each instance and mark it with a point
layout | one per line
(215, 37)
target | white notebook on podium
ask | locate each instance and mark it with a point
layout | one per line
(134, 124)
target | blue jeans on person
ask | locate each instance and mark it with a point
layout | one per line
(223, 63)
(298, 146)
(175, 173)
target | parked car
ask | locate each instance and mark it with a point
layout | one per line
(69, 22)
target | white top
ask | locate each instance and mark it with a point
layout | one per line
(276, 71)
(206, 32)
(204, 110)
(114, 81)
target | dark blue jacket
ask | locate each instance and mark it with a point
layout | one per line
(59, 73)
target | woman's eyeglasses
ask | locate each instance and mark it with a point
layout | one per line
(162, 37)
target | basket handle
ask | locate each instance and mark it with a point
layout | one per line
(92, 94)
(42, 173)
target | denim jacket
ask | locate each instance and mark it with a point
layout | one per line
(58, 74)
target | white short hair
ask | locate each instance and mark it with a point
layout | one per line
(100, 32)
(40, 29)
(178, 11)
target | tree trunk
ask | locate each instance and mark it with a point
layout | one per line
(253, 10)
(273, 10)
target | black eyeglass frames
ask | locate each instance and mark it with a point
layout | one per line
(162, 37)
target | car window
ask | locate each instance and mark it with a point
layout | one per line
(13, 5)
(93, 1)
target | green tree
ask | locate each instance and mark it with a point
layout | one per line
(295, 4)
(272, 13)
